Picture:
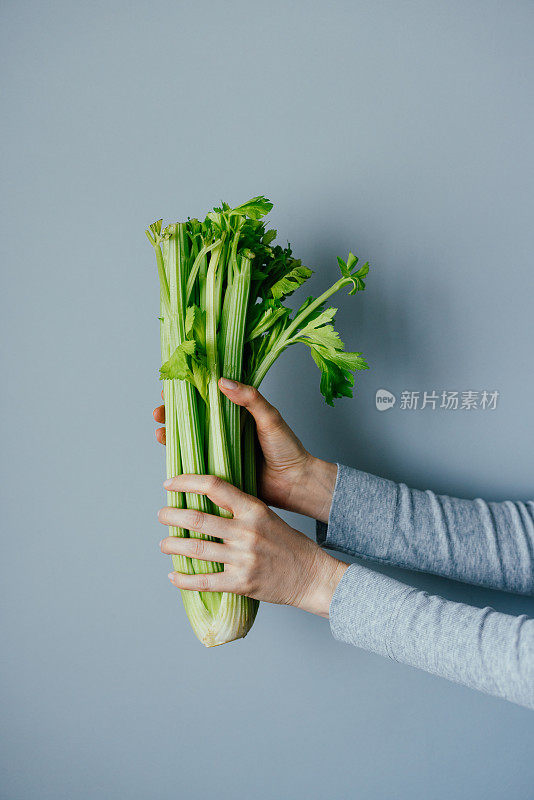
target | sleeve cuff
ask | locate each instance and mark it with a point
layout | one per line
(361, 516)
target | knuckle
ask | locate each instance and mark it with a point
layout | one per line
(246, 583)
(196, 519)
(213, 482)
(273, 419)
(198, 547)
(253, 395)
(257, 514)
(203, 582)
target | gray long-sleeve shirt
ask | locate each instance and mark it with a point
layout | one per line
(490, 544)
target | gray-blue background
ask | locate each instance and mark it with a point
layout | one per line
(402, 130)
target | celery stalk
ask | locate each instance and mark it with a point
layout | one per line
(222, 284)
(233, 358)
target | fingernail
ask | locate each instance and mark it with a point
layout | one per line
(160, 544)
(228, 384)
(168, 483)
(170, 576)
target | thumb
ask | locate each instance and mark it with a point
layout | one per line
(280, 447)
(267, 418)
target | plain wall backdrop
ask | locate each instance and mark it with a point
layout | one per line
(401, 130)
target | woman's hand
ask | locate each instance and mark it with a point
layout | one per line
(263, 557)
(290, 477)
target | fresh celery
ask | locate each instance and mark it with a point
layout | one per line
(222, 287)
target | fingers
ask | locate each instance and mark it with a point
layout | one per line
(202, 549)
(220, 492)
(266, 416)
(194, 520)
(159, 414)
(204, 582)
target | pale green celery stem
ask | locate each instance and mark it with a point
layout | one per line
(219, 277)
(202, 274)
(163, 283)
(285, 339)
(233, 360)
(194, 241)
(185, 398)
(218, 459)
(223, 325)
(183, 435)
(197, 263)
(172, 448)
(231, 273)
(232, 261)
(250, 484)
(187, 410)
(215, 618)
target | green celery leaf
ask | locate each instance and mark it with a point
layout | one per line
(263, 316)
(258, 275)
(195, 327)
(200, 377)
(255, 208)
(316, 324)
(199, 329)
(336, 368)
(356, 278)
(177, 367)
(183, 365)
(190, 315)
(268, 237)
(327, 351)
(290, 282)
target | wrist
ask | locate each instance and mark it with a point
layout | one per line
(326, 575)
(312, 495)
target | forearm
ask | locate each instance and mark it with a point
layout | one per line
(490, 544)
(480, 648)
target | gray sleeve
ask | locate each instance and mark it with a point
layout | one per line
(480, 648)
(490, 544)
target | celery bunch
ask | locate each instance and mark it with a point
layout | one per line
(223, 283)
